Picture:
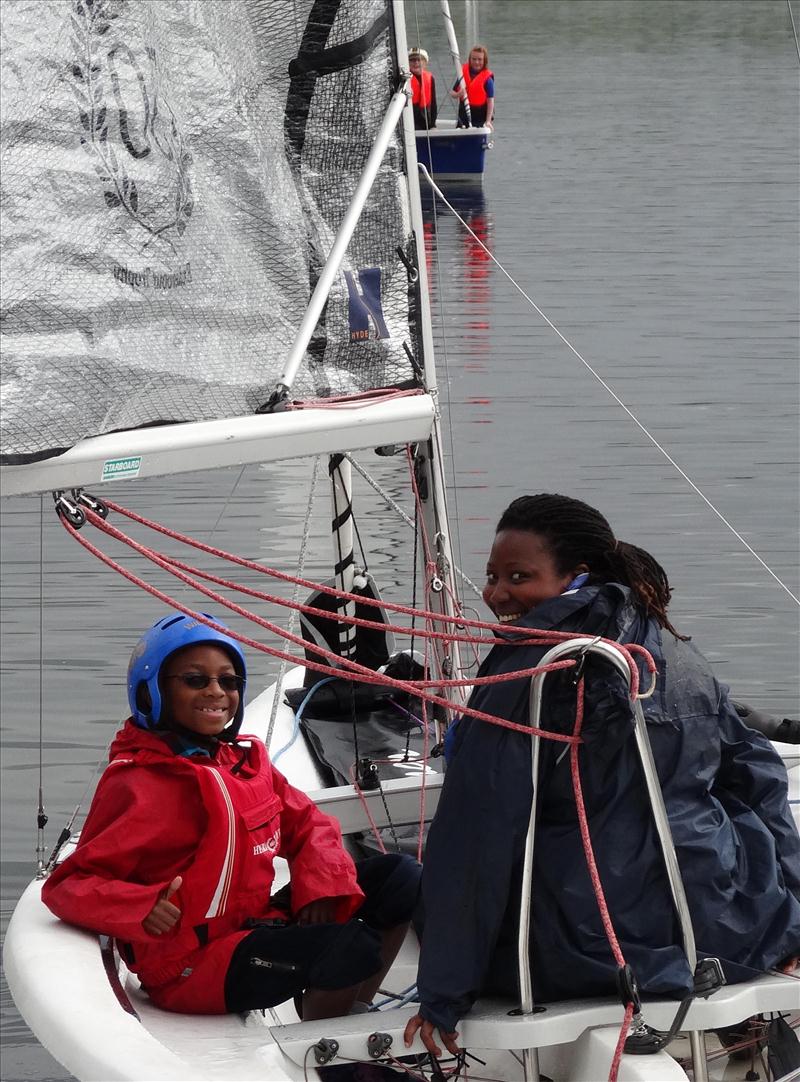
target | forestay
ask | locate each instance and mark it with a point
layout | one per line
(173, 177)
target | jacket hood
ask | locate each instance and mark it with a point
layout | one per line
(131, 740)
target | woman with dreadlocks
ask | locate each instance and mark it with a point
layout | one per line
(555, 564)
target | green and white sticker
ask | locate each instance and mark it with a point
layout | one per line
(121, 469)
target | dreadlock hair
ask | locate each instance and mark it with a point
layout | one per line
(578, 534)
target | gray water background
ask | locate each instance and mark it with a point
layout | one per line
(643, 190)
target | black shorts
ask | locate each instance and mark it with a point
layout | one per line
(276, 962)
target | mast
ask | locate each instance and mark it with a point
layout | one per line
(471, 22)
(342, 240)
(453, 43)
(429, 457)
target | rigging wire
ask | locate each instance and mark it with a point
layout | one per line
(43, 866)
(294, 615)
(794, 29)
(593, 371)
(395, 506)
(226, 505)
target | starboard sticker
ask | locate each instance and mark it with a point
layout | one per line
(121, 469)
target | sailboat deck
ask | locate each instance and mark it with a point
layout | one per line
(491, 1024)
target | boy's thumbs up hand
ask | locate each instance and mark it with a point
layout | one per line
(176, 884)
(165, 914)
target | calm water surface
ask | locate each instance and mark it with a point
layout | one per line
(642, 190)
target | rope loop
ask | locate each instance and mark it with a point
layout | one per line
(431, 691)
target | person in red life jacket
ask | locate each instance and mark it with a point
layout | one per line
(478, 88)
(176, 859)
(423, 91)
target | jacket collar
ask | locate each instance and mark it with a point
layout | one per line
(131, 739)
(605, 609)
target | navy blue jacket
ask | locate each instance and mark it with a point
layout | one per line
(725, 790)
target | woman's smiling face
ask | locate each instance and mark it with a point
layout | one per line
(204, 710)
(521, 573)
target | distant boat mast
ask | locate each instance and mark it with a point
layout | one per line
(453, 43)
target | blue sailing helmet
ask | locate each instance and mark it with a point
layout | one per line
(171, 633)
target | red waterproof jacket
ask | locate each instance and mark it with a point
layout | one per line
(219, 823)
(476, 85)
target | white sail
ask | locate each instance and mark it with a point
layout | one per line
(174, 178)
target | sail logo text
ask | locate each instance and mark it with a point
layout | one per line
(121, 469)
(151, 278)
(365, 305)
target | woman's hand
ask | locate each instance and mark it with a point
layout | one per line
(164, 915)
(321, 911)
(426, 1031)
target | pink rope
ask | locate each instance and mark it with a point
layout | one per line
(311, 610)
(525, 634)
(352, 401)
(367, 812)
(345, 664)
(416, 688)
(367, 676)
(620, 1048)
(594, 875)
(521, 636)
(583, 823)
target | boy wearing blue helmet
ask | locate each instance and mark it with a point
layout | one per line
(176, 857)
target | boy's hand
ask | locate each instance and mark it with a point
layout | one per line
(321, 911)
(426, 1032)
(164, 915)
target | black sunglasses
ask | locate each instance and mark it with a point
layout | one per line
(198, 680)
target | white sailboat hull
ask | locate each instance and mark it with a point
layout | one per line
(59, 984)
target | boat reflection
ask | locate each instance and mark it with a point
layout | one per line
(458, 255)
(458, 245)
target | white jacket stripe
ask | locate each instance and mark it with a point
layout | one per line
(220, 898)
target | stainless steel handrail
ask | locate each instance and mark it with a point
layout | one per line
(583, 645)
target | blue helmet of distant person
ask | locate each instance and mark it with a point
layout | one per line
(172, 633)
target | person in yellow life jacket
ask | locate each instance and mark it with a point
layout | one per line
(479, 86)
(423, 90)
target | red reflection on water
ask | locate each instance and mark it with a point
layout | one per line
(429, 238)
(477, 265)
